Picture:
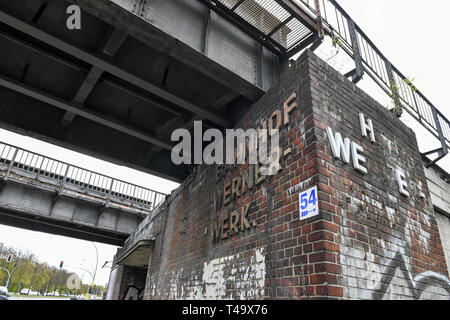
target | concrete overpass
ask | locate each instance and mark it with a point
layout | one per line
(42, 194)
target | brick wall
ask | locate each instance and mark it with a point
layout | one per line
(388, 244)
(131, 284)
(219, 238)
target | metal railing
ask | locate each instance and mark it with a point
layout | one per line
(40, 165)
(288, 26)
(369, 59)
(275, 24)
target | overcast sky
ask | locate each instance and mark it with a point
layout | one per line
(411, 34)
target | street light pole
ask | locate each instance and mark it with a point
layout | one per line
(90, 273)
(94, 273)
(96, 261)
(96, 265)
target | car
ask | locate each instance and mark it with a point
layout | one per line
(4, 294)
(24, 292)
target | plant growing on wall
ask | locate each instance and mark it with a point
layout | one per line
(395, 93)
(410, 84)
(337, 44)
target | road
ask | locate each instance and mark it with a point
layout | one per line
(39, 298)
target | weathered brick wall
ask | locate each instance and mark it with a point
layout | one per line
(388, 244)
(131, 284)
(367, 242)
(259, 261)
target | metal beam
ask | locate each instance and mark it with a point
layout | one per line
(110, 68)
(245, 26)
(302, 45)
(441, 153)
(165, 43)
(280, 25)
(434, 111)
(73, 66)
(145, 98)
(320, 30)
(293, 9)
(65, 228)
(112, 46)
(206, 29)
(237, 5)
(79, 111)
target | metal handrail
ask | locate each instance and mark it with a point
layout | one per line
(377, 64)
(18, 158)
(306, 20)
(338, 24)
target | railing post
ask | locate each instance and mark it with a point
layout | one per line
(65, 173)
(12, 163)
(320, 31)
(439, 130)
(154, 200)
(110, 186)
(40, 166)
(359, 71)
(134, 192)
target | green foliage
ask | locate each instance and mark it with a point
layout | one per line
(410, 84)
(337, 42)
(395, 94)
(27, 272)
(395, 97)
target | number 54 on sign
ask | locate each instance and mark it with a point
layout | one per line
(308, 203)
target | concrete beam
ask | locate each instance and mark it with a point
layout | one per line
(67, 209)
(19, 220)
(138, 256)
